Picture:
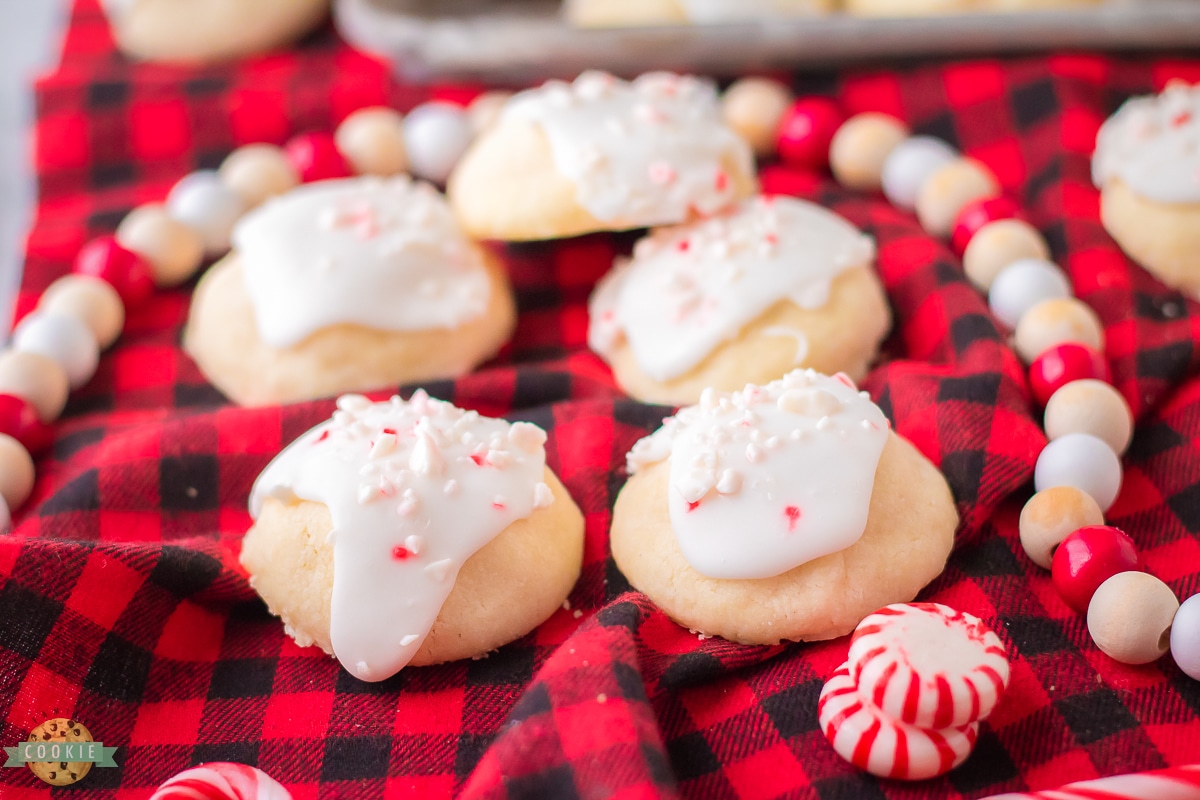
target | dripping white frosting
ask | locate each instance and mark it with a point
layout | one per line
(381, 253)
(1153, 145)
(769, 478)
(413, 489)
(692, 287)
(650, 152)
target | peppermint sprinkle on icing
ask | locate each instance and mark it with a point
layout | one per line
(692, 287)
(381, 253)
(647, 152)
(771, 477)
(1153, 145)
(407, 514)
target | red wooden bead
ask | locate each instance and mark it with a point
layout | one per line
(19, 419)
(976, 214)
(806, 130)
(777, 179)
(315, 157)
(127, 272)
(1086, 559)
(1062, 364)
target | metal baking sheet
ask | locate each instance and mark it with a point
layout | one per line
(507, 41)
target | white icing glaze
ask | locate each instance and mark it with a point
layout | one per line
(413, 489)
(385, 254)
(650, 152)
(691, 287)
(1153, 145)
(769, 478)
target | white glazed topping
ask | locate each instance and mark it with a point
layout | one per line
(1153, 145)
(650, 152)
(413, 489)
(381, 253)
(691, 287)
(769, 478)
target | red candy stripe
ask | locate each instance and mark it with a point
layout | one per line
(1178, 783)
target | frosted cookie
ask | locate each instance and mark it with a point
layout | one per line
(1147, 167)
(414, 532)
(782, 512)
(743, 297)
(214, 30)
(631, 13)
(601, 154)
(345, 286)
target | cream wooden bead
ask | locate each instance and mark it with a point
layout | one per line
(1052, 515)
(172, 249)
(753, 108)
(16, 472)
(1130, 617)
(1090, 406)
(861, 146)
(998, 244)
(258, 172)
(38, 379)
(92, 300)
(946, 191)
(372, 141)
(484, 110)
(1057, 321)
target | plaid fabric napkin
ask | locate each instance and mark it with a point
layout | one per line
(122, 603)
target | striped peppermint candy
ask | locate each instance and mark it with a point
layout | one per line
(1178, 783)
(222, 780)
(928, 665)
(873, 741)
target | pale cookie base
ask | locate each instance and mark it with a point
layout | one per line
(1162, 237)
(199, 31)
(507, 187)
(843, 336)
(909, 533)
(916, 8)
(635, 13)
(223, 339)
(508, 588)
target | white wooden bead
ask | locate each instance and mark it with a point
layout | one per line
(203, 202)
(1057, 321)
(861, 147)
(998, 244)
(1022, 285)
(258, 172)
(435, 137)
(372, 141)
(66, 339)
(1130, 617)
(1185, 637)
(909, 164)
(40, 380)
(172, 249)
(948, 189)
(484, 110)
(1052, 515)
(1090, 406)
(1083, 461)
(16, 472)
(92, 300)
(753, 107)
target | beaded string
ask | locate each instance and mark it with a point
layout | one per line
(1095, 568)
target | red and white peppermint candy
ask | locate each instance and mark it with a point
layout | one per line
(1178, 783)
(873, 741)
(928, 665)
(222, 781)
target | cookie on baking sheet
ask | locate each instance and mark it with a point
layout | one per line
(601, 154)
(783, 512)
(632, 13)
(746, 296)
(346, 286)
(412, 532)
(213, 30)
(1147, 167)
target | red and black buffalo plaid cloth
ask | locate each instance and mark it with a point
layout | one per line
(122, 604)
